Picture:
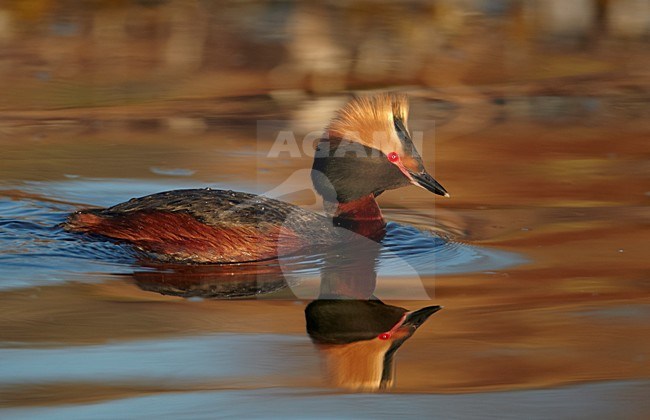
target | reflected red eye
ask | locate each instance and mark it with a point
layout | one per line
(384, 336)
(393, 157)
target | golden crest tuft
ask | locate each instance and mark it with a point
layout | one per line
(370, 121)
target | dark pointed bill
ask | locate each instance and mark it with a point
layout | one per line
(426, 181)
(418, 317)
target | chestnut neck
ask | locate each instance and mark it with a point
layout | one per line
(361, 216)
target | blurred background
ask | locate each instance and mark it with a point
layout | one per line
(58, 53)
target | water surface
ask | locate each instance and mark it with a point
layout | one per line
(538, 128)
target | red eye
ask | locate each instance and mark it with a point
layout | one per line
(384, 336)
(393, 157)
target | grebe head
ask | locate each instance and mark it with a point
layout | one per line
(367, 149)
(359, 339)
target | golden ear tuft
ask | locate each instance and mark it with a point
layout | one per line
(400, 104)
(363, 115)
